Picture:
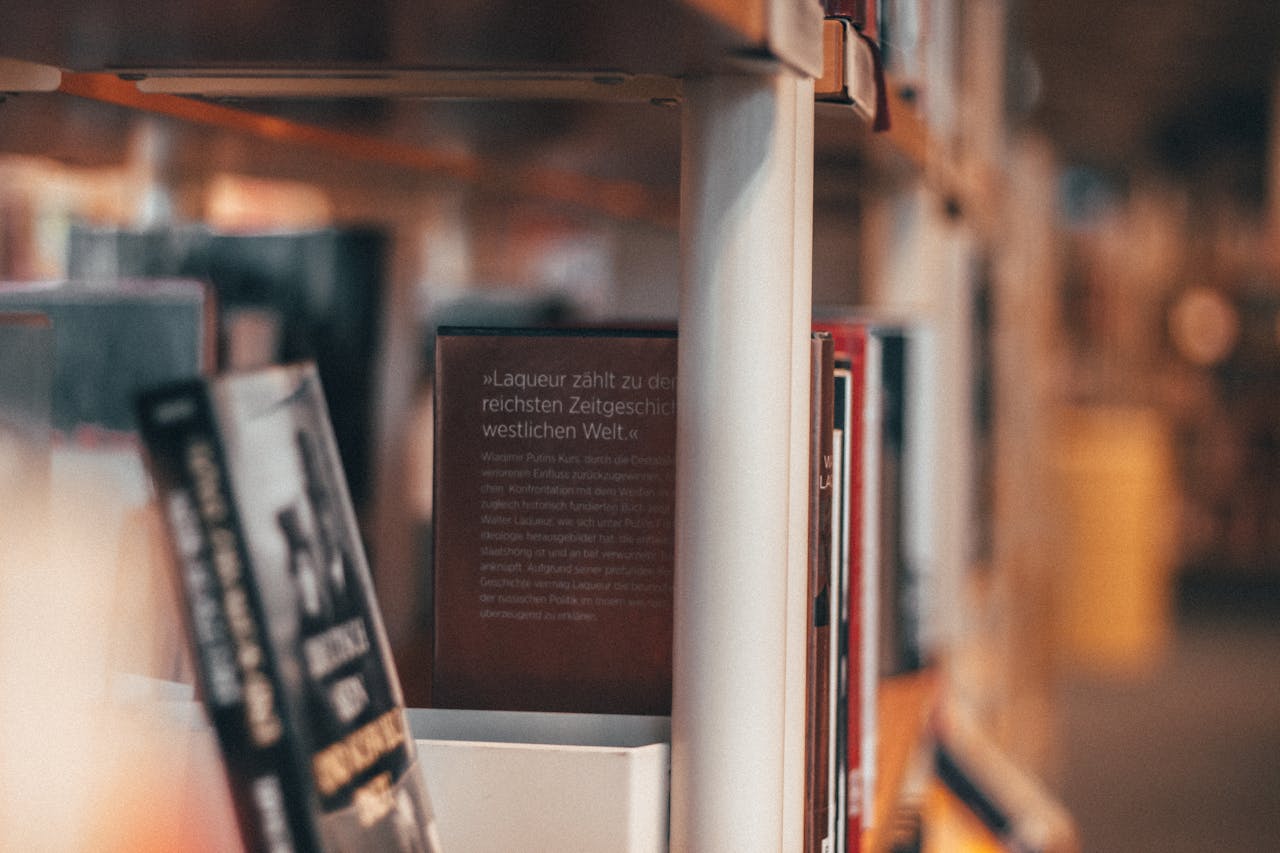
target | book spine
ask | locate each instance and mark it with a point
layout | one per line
(840, 610)
(853, 616)
(817, 837)
(855, 701)
(223, 611)
(868, 582)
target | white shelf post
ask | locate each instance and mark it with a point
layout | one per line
(745, 313)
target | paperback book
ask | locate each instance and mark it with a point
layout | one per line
(291, 656)
(554, 513)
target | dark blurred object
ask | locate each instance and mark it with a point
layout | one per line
(1014, 807)
(902, 572)
(26, 402)
(1228, 439)
(111, 338)
(498, 308)
(281, 297)
(26, 383)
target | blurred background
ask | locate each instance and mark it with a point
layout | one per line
(1080, 202)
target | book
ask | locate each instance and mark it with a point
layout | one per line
(281, 296)
(554, 482)
(819, 697)
(292, 660)
(856, 532)
(838, 773)
(903, 571)
(863, 14)
(112, 338)
(850, 73)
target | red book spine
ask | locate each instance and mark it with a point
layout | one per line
(849, 340)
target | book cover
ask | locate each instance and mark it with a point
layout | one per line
(850, 73)
(554, 514)
(818, 667)
(290, 651)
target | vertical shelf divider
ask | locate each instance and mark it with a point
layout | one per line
(745, 244)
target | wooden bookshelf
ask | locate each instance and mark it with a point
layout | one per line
(905, 705)
(745, 296)
(622, 200)
(666, 37)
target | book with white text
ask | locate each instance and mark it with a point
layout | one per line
(291, 655)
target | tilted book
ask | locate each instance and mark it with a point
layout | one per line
(554, 515)
(904, 580)
(292, 658)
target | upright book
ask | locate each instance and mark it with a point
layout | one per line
(820, 697)
(554, 515)
(857, 602)
(281, 296)
(292, 658)
(841, 596)
(112, 338)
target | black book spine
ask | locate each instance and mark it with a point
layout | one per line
(237, 672)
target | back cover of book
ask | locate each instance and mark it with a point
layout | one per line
(554, 482)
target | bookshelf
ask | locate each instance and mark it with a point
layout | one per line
(905, 706)
(743, 73)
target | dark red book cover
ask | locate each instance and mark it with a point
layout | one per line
(850, 358)
(554, 500)
(818, 667)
